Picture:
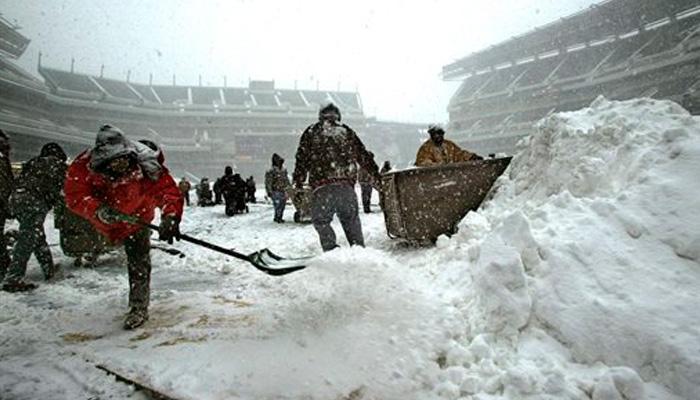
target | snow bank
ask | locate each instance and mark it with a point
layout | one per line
(594, 239)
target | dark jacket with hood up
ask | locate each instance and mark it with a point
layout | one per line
(330, 154)
(40, 184)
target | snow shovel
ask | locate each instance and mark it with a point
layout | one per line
(264, 260)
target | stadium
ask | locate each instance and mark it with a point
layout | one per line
(200, 128)
(619, 49)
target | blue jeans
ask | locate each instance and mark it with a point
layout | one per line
(279, 200)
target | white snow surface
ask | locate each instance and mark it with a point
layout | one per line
(577, 279)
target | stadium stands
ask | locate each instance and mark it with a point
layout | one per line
(291, 97)
(206, 95)
(146, 93)
(617, 48)
(265, 99)
(117, 89)
(70, 82)
(237, 96)
(172, 95)
(202, 129)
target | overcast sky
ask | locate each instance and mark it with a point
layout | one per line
(391, 51)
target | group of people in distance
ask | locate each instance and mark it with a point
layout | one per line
(118, 183)
(231, 188)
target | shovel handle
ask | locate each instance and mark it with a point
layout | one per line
(136, 221)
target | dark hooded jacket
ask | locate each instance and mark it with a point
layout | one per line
(227, 183)
(40, 183)
(330, 154)
(276, 178)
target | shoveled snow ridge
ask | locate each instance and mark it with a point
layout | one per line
(592, 238)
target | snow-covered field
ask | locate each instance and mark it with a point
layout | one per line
(577, 280)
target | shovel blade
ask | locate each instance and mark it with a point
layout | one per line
(272, 264)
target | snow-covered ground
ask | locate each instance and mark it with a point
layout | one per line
(577, 280)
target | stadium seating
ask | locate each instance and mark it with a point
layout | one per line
(172, 94)
(618, 48)
(237, 96)
(206, 95)
(265, 99)
(291, 97)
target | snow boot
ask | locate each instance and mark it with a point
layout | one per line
(135, 318)
(18, 286)
(53, 273)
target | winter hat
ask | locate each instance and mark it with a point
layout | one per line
(437, 129)
(277, 159)
(52, 149)
(110, 144)
(228, 170)
(329, 107)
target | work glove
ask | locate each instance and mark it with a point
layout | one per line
(107, 215)
(169, 228)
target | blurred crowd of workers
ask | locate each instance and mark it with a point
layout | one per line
(230, 188)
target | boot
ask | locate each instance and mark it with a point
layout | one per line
(18, 286)
(135, 318)
(52, 273)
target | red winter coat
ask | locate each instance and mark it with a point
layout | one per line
(135, 194)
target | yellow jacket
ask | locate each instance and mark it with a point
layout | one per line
(430, 154)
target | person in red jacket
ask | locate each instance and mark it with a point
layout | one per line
(119, 176)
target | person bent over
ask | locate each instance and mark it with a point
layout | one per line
(119, 177)
(328, 154)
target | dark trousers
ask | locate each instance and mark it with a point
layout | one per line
(4, 255)
(137, 247)
(31, 239)
(279, 201)
(366, 190)
(330, 200)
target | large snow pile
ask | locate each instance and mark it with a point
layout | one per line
(593, 239)
(577, 280)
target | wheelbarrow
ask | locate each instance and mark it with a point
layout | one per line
(420, 204)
